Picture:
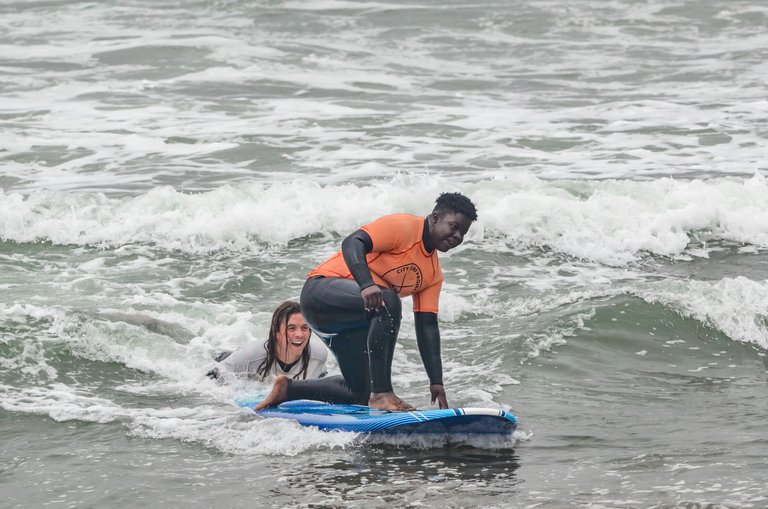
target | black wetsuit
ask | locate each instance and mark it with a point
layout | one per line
(363, 342)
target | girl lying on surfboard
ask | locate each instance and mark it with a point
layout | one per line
(289, 351)
(352, 301)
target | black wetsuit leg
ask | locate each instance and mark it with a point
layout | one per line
(333, 304)
(382, 336)
(364, 343)
(354, 386)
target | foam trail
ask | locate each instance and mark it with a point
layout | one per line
(212, 426)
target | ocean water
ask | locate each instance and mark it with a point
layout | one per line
(171, 170)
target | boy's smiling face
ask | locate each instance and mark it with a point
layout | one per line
(447, 229)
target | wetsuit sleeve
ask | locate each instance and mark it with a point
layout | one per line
(428, 339)
(353, 249)
(243, 362)
(246, 359)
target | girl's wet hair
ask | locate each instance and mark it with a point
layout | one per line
(280, 317)
(455, 202)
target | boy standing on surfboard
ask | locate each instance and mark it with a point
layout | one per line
(352, 301)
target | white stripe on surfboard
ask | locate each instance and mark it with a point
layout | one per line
(481, 411)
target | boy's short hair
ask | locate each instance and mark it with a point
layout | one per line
(455, 202)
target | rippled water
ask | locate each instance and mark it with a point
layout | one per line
(170, 171)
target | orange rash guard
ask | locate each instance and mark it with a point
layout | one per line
(398, 261)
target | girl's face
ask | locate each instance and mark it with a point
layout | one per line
(447, 230)
(292, 338)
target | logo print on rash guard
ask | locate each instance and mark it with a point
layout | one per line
(405, 278)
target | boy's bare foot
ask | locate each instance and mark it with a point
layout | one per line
(388, 401)
(277, 395)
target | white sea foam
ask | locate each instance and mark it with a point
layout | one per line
(227, 429)
(155, 340)
(240, 435)
(614, 222)
(611, 222)
(23, 312)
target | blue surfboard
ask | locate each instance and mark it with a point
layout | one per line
(362, 419)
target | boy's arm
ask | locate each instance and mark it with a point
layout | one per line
(428, 340)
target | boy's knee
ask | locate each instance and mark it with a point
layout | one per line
(394, 306)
